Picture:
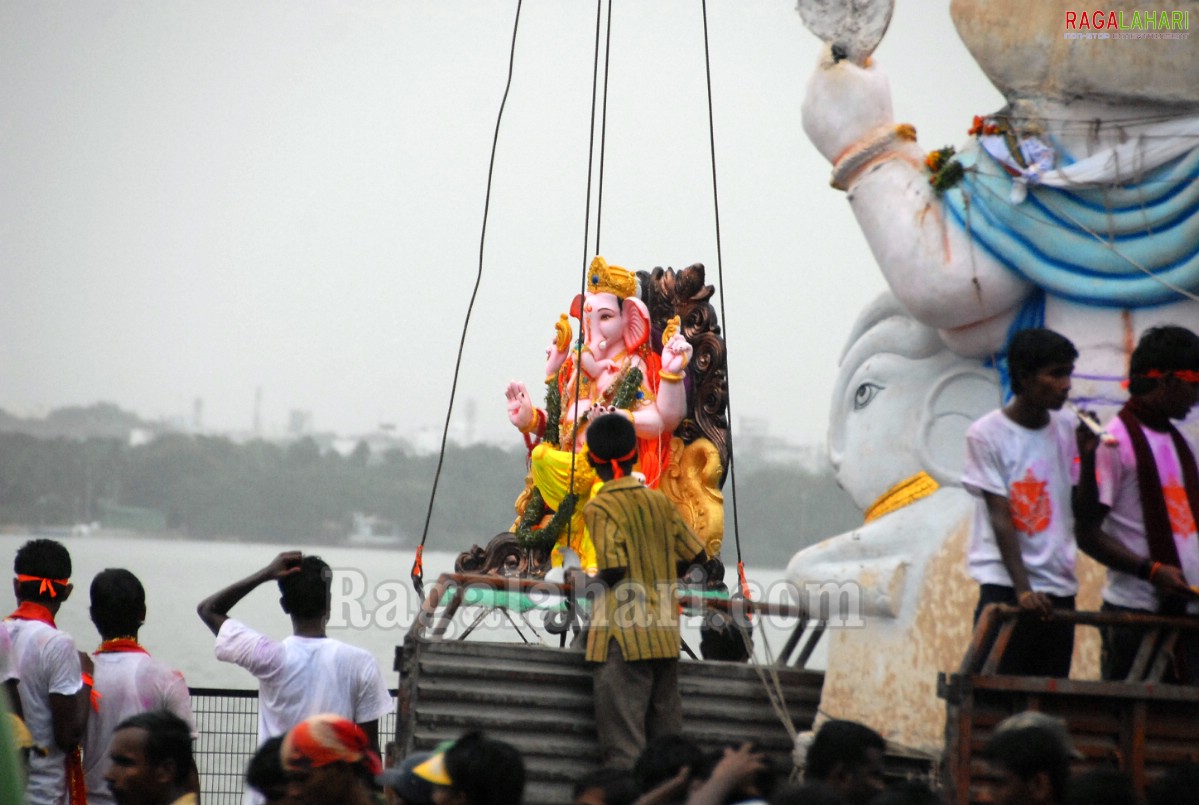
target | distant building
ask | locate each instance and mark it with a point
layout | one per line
(299, 423)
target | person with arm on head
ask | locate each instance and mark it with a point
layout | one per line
(214, 610)
(307, 673)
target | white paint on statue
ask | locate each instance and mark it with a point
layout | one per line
(901, 406)
(1110, 234)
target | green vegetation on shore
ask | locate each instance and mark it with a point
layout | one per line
(302, 493)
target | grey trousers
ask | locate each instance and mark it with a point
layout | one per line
(634, 702)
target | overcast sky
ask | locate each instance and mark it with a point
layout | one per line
(203, 199)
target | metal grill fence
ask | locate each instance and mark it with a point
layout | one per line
(227, 721)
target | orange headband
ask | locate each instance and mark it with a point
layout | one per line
(47, 585)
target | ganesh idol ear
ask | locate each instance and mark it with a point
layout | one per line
(636, 323)
(961, 394)
(576, 307)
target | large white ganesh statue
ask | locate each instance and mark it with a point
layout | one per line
(620, 370)
(900, 409)
(1074, 207)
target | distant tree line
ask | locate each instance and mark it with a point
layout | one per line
(301, 493)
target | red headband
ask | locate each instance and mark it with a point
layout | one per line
(617, 472)
(1185, 375)
(47, 585)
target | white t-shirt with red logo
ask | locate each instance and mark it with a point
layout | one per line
(1034, 470)
(1116, 473)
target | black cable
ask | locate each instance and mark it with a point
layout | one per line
(720, 279)
(417, 565)
(599, 198)
(578, 368)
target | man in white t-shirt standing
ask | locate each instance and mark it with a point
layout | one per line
(307, 673)
(1020, 464)
(52, 692)
(1138, 500)
(125, 678)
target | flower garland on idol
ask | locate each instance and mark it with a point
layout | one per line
(622, 394)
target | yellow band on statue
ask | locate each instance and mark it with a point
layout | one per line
(670, 377)
(904, 493)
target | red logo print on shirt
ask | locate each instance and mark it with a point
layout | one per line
(1031, 511)
(1182, 520)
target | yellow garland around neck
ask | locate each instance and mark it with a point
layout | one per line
(906, 492)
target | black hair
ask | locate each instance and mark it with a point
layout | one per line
(1165, 349)
(618, 786)
(265, 771)
(118, 602)
(1103, 787)
(840, 742)
(724, 636)
(611, 436)
(1033, 349)
(1028, 751)
(662, 758)
(45, 559)
(486, 771)
(168, 738)
(306, 593)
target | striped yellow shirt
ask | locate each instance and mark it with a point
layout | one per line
(637, 529)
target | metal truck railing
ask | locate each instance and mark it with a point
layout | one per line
(227, 721)
(559, 603)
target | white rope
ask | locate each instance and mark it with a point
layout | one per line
(770, 681)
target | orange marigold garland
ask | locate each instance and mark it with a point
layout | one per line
(983, 125)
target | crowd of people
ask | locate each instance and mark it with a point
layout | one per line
(115, 724)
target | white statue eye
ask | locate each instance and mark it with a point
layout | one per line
(864, 394)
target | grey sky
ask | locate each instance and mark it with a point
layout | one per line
(198, 199)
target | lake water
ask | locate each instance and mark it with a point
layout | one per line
(374, 602)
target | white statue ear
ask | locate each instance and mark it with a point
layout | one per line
(636, 323)
(958, 397)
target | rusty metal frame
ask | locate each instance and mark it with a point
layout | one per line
(1130, 699)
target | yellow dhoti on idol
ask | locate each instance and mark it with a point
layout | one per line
(551, 473)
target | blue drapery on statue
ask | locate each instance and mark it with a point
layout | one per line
(1110, 246)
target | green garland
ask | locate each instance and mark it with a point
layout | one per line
(630, 384)
(945, 171)
(544, 539)
(553, 409)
